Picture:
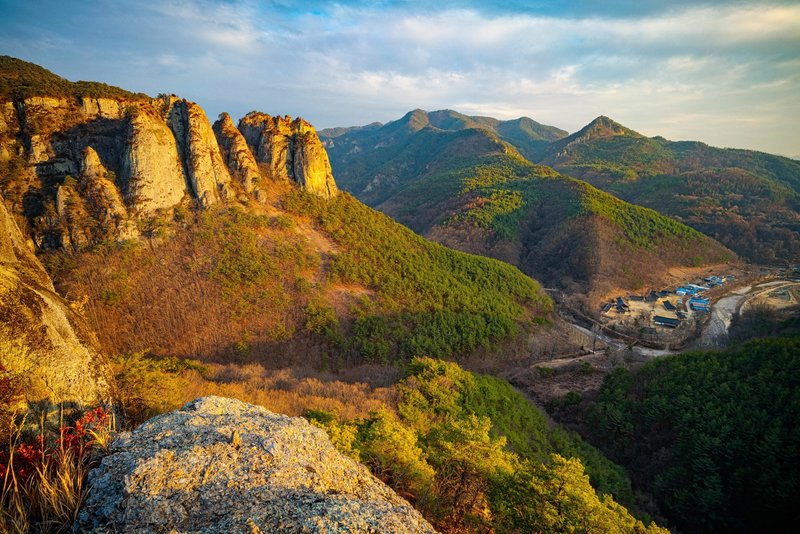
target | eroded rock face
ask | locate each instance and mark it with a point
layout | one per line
(106, 108)
(220, 465)
(154, 154)
(43, 343)
(103, 199)
(151, 166)
(290, 150)
(237, 154)
(208, 176)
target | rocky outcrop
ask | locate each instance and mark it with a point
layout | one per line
(103, 199)
(9, 126)
(220, 465)
(73, 219)
(237, 155)
(151, 166)
(207, 174)
(43, 343)
(155, 154)
(290, 150)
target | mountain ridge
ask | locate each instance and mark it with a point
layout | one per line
(748, 200)
(473, 191)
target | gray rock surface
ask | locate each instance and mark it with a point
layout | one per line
(103, 198)
(220, 465)
(151, 165)
(208, 176)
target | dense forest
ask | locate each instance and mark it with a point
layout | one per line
(20, 79)
(715, 436)
(473, 454)
(461, 184)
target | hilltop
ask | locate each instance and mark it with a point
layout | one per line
(471, 190)
(749, 201)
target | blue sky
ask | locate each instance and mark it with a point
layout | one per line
(727, 73)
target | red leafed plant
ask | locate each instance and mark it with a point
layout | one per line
(43, 478)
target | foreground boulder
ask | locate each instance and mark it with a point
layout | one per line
(220, 465)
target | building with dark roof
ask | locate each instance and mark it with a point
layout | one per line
(665, 321)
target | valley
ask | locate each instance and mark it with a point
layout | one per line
(464, 322)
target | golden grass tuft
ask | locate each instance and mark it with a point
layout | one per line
(49, 496)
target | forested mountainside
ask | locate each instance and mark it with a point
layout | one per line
(232, 241)
(473, 454)
(714, 436)
(747, 200)
(471, 190)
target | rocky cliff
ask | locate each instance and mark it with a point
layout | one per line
(238, 157)
(73, 163)
(43, 343)
(289, 150)
(208, 176)
(220, 465)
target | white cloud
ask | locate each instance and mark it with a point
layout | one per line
(711, 71)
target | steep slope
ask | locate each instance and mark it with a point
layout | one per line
(475, 455)
(750, 201)
(472, 191)
(232, 242)
(44, 345)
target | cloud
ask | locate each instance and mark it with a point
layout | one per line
(724, 72)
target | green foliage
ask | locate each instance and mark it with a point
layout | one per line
(20, 79)
(436, 391)
(148, 385)
(430, 299)
(321, 319)
(390, 449)
(713, 435)
(643, 227)
(381, 294)
(747, 200)
(472, 453)
(557, 497)
(343, 435)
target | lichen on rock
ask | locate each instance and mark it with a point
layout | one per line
(220, 465)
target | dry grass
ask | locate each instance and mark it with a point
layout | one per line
(149, 386)
(44, 486)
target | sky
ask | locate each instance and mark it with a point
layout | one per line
(726, 73)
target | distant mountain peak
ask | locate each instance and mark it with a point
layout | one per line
(604, 126)
(600, 128)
